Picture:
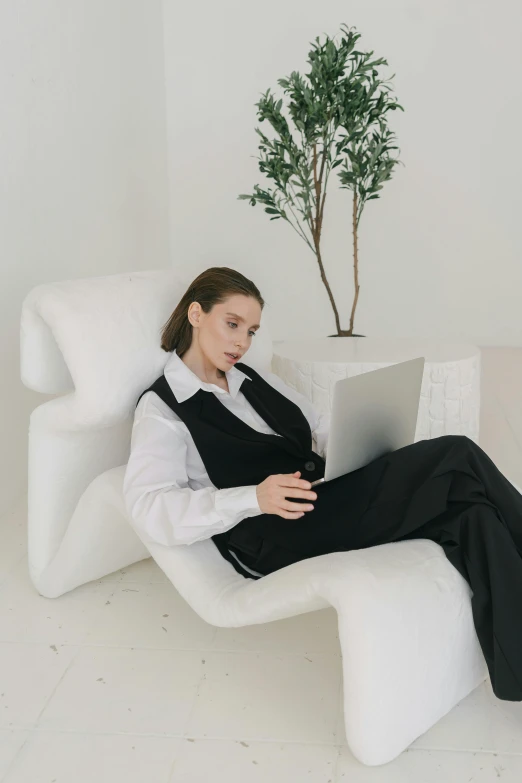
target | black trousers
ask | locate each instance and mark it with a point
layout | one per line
(445, 489)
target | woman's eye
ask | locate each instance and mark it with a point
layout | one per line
(231, 323)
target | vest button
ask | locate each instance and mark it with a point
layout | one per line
(310, 465)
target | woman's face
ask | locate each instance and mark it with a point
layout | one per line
(230, 327)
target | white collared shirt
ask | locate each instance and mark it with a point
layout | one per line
(168, 494)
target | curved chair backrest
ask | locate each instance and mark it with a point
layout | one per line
(99, 338)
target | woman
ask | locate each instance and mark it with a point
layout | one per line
(222, 451)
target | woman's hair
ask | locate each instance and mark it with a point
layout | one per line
(213, 286)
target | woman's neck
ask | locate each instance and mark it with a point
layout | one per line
(199, 367)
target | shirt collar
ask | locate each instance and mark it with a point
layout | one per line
(185, 383)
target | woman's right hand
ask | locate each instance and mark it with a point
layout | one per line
(273, 491)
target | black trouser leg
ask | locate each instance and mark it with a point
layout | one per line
(481, 534)
(496, 488)
(481, 548)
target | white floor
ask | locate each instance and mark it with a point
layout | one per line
(119, 680)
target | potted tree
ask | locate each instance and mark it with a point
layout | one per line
(340, 117)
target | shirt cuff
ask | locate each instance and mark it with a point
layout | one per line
(235, 503)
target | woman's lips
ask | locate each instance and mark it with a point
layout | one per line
(230, 358)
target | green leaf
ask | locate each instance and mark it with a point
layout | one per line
(337, 104)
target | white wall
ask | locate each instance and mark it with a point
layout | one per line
(440, 253)
(85, 174)
(83, 187)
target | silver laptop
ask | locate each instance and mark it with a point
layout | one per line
(373, 413)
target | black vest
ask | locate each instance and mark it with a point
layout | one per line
(233, 453)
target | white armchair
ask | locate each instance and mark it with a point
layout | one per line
(409, 646)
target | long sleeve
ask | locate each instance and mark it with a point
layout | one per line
(160, 503)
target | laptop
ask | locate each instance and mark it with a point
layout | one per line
(373, 413)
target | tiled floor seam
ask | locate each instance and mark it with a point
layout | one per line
(73, 658)
(21, 751)
(208, 650)
(200, 738)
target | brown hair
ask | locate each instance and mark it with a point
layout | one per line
(213, 286)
